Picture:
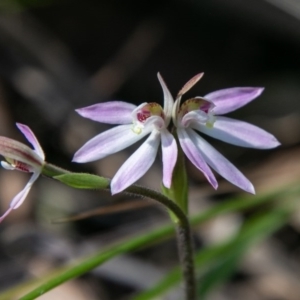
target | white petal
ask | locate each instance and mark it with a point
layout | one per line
(7, 166)
(155, 122)
(175, 111)
(239, 133)
(169, 156)
(108, 142)
(19, 198)
(137, 164)
(192, 151)
(31, 139)
(221, 165)
(228, 100)
(113, 112)
(198, 117)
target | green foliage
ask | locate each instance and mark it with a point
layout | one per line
(83, 181)
(255, 230)
(214, 264)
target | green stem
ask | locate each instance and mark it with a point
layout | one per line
(186, 256)
(184, 238)
(50, 170)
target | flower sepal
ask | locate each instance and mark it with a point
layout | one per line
(178, 192)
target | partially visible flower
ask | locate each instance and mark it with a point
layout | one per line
(204, 114)
(22, 158)
(136, 122)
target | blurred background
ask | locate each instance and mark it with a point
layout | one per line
(56, 56)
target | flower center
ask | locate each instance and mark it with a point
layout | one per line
(200, 105)
(143, 113)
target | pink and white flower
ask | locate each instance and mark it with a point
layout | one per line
(22, 158)
(135, 122)
(204, 115)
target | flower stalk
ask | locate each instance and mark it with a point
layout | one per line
(183, 235)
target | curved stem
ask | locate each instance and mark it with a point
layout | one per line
(184, 237)
(183, 228)
(158, 197)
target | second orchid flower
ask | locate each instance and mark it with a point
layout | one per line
(204, 115)
(20, 157)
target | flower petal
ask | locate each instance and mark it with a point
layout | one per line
(184, 89)
(221, 165)
(114, 112)
(5, 214)
(7, 166)
(31, 139)
(194, 117)
(168, 100)
(108, 142)
(20, 197)
(17, 151)
(192, 151)
(154, 122)
(137, 164)
(175, 112)
(239, 133)
(228, 100)
(169, 156)
(190, 84)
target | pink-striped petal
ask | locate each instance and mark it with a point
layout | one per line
(220, 164)
(137, 164)
(228, 100)
(190, 84)
(17, 151)
(169, 156)
(31, 139)
(194, 155)
(239, 133)
(114, 112)
(108, 142)
(20, 197)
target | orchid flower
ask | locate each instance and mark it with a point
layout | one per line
(204, 114)
(22, 158)
(135, 123)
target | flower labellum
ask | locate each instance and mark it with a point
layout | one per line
(20, 157)
(135, 122)
(204, 115)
